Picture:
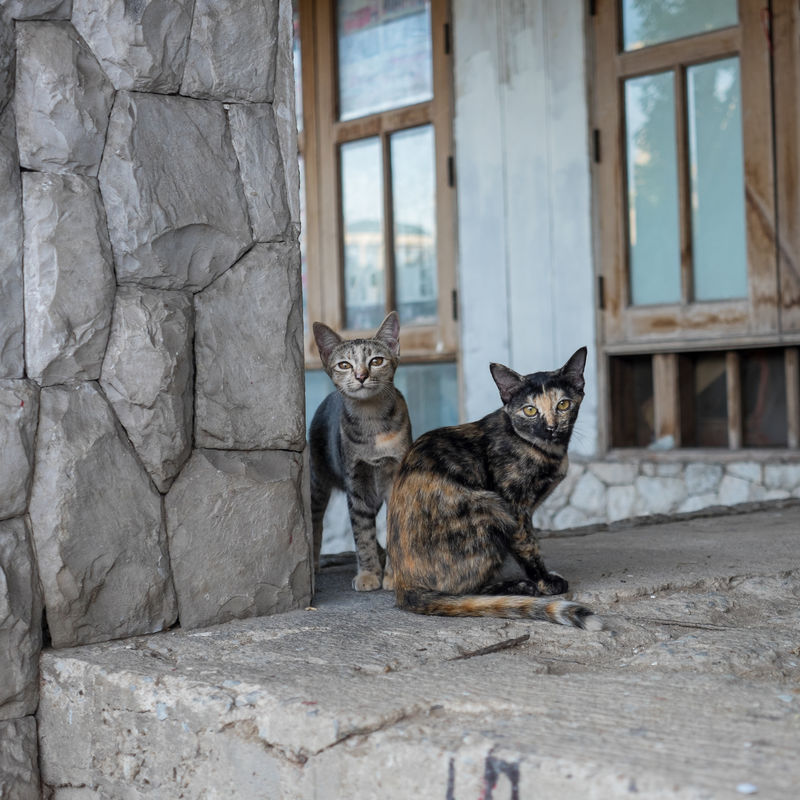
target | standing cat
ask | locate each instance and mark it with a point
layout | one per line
(358, 437)
(463, 500)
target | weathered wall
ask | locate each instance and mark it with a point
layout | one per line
(523, 179)
(151, 388)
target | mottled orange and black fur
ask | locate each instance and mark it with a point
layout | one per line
(463, 498)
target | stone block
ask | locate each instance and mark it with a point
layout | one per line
(177, 214)
(7, 57)
(570, 517)
(238, 536)
(746, 470)
(284, 105)
(695, 502)
(733, 490)
(248, 355)
(97, 524)
(255, 139)
(20, 621)
(782, 476)
(669, 470)
(19, 760)
(147, 376)
(69, 277)
(702, 478)
(141, 45)
(589, 495)
(63, 100)
(12, 322)
(39, 9)
(614, 474)
(232, 50)
(620, 502)
(19, 416)
(659, 495)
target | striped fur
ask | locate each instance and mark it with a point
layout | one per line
(357, 438)
(562, 612)
(463, 498)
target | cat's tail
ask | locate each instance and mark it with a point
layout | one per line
(562, 612)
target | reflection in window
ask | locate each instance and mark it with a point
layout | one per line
(647, 22)
(653, 230)
(764, 416)
(431, 392)
(413, 201)
(704, 420)
(303, 240)
(632, 412)
(362, 219)
(298, 71)
(716, 171)
(384, 51)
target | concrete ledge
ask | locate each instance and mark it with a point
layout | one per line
(692, 692)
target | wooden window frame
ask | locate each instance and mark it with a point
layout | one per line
(628, 328)
(320, 139)
(671, 403)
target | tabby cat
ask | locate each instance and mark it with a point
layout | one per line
(463, 498)
(358, 437)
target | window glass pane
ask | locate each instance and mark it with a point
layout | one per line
(647, 22)
(298, 85)
(717, 180)
(764, 416)
(413, 205)
(653, 232)
(362, 220)
(431, 392)
(705, 417)
(303, 262)
(384, 51)
(631, 401)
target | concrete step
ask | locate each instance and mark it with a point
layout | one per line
(692, 691)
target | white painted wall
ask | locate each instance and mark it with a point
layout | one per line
(525, 267)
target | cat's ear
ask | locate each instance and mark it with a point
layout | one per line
(506, 379)
(389, 332)
(573, 369)
(326, 339)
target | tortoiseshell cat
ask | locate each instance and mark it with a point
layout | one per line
(463, 498)
(358, 437)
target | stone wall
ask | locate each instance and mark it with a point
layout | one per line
(598, 492)
(151, 383)
(620, 487)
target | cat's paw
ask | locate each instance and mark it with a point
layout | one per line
(367, 582)
(552, 584)
(388, 581)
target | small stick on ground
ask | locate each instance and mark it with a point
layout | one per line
(492, 648)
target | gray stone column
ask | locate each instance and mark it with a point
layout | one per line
(150, 329)
(159, 215)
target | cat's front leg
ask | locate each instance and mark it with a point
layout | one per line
(525, 548)
(362, 518)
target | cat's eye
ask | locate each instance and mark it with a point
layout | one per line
(563, 405)
(376, 362)
(344, 365)
(530, 411)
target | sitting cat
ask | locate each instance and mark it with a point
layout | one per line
(358, 437)
(463, 498)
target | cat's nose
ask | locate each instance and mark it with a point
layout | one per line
(362, 376)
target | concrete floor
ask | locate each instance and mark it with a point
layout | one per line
(692, 691)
